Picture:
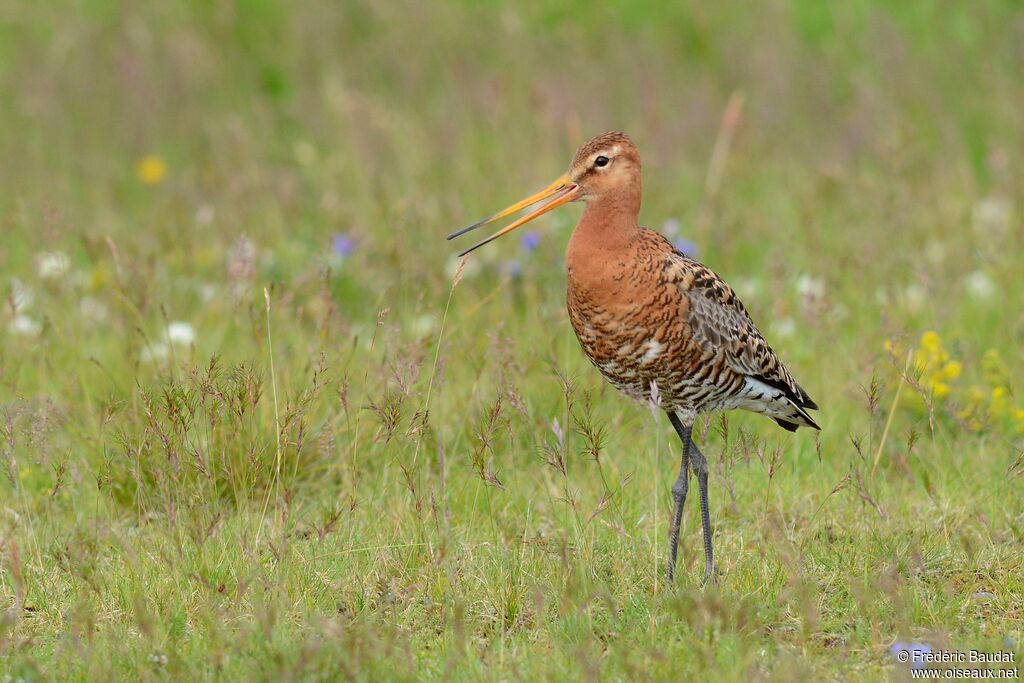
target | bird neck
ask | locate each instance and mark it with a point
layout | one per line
(610, 219)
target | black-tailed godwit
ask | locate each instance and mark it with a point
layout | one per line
(656, 322)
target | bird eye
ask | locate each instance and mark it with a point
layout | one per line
(601, 161)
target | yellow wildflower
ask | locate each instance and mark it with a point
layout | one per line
(951, 370)
(993, 369)
(1018, 419)
(1000, 402)
(934, 367)
(989, 405)
(151, 169)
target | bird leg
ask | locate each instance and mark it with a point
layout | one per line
(700, 467)
(679, 490)
(695, 460)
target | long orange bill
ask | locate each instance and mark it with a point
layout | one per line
(563, 190)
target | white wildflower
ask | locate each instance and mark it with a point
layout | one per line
(25, 326)
(179, 332)
(92, 309)
(810, 287)
(21, 295)
(204, 214)
(51, 265)
(992, 215)
(914, 297)
(747, 287)
(783, 328)
(980, 285)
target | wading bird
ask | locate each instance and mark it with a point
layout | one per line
(655, 322)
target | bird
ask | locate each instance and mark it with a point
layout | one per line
(658, 325)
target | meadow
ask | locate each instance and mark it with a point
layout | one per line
(257, 422)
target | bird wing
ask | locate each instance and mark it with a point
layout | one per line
(721, 326)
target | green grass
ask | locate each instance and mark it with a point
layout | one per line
(368, 474)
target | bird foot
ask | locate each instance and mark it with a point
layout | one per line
(710, 578)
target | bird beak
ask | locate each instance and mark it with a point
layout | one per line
(563, 190)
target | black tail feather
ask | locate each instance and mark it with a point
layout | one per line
(788, 426)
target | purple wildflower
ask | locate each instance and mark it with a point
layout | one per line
(688, 247)
(910, 653)
(513, 269)
(342, 245)
(530, 241)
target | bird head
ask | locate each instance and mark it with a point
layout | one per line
(605, 165)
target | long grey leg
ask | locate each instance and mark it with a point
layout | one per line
(679, 490)
(700, 466)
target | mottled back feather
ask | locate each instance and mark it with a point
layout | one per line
(722, 325)
(676, 323)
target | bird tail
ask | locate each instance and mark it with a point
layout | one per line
(802, 419)
(787, 405)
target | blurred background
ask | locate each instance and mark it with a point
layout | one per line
(269, 185)
(366, 130)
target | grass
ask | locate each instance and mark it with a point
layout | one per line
(250, 429)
